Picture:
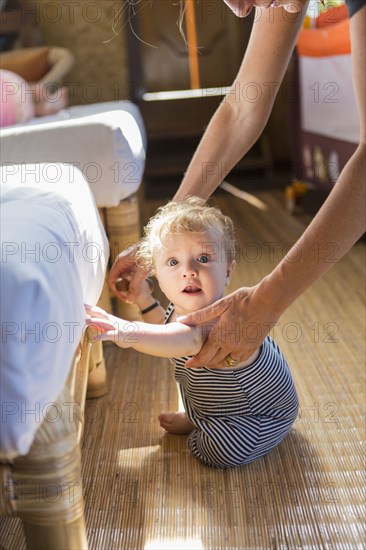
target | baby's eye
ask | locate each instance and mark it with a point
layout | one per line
(172, 262)
(203, 259)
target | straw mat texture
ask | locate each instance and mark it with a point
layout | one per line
(143, 489)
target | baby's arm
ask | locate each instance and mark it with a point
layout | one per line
(171, 340)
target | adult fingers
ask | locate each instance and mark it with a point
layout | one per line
(123, 264)
(204, 315)
(135, 286)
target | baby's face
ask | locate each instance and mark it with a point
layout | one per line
(192, 270)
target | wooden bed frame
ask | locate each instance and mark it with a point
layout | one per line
(44, 487)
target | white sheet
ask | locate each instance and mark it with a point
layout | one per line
(106, 141)
(53, 260)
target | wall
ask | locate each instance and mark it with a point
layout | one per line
(85, 27)
(100, 72)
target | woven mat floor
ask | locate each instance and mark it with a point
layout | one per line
(143, 489)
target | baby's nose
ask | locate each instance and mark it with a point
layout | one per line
(189, 270)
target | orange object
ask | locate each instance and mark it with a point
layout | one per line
(292, 194)
(325, 41)
(190, 19)
(331, 35)
(299, 188)
(332, 16)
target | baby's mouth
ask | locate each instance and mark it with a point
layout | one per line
(192, 289)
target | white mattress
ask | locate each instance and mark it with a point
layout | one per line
(106, 141)
(54, 256)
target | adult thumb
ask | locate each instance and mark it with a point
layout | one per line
(135, 285)
(203, 315)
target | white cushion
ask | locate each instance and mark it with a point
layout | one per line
(54, 256)
(106, 141)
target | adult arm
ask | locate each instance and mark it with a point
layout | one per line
(236, 125)
(336, 227)
(244, 112)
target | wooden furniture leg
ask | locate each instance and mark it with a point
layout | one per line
(97, 377)
(47, 481)
(105, 300)
(44, 487)
(123, 230)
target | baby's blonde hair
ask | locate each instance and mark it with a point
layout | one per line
(193, 215)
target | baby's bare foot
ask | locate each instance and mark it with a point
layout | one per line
(176, 423)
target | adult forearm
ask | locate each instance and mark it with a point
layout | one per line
(239, 121)
(230, 134)
(337, 226)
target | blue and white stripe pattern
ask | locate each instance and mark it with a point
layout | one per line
(240, 415)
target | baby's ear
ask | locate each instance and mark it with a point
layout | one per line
(229, 272)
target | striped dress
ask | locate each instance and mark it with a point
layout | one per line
(239, 415)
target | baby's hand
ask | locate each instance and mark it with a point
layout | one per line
(95, 311)
(97, 323)
(105, 327)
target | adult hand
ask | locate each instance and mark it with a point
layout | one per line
(240, 322)
(125, 264)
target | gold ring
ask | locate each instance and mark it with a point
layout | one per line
(231, 362)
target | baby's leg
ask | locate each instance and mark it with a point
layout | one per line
(176, 423)
(225, 442)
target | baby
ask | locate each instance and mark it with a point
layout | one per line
(232, 416)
